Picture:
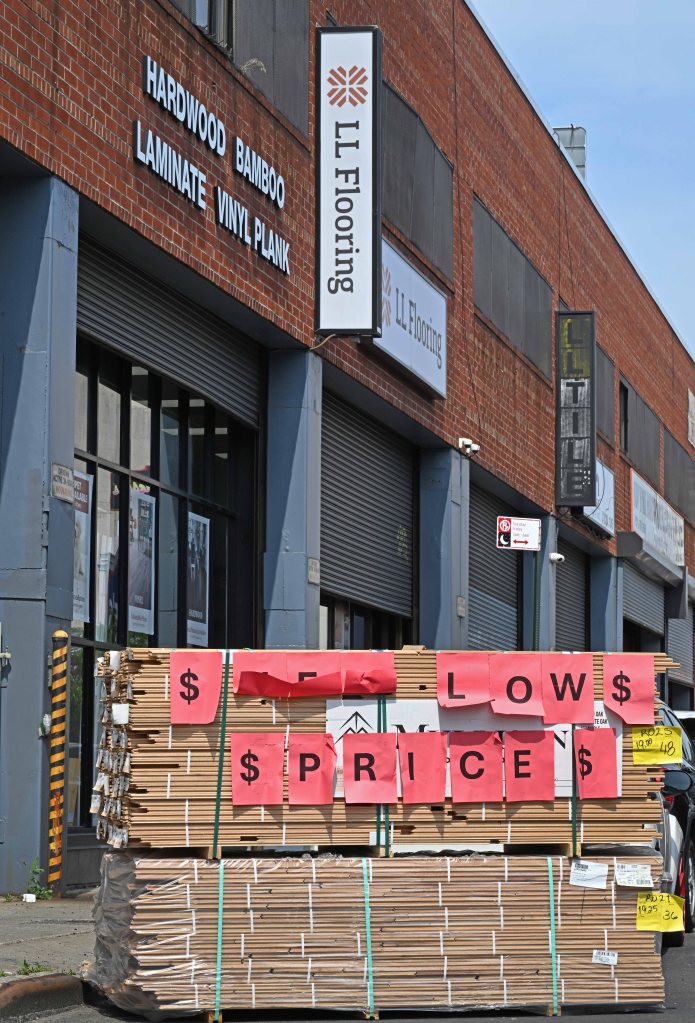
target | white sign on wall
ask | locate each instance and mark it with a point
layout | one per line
(603, 513)
(348, 85)
(413, 320)
(691, 418)
(656, 521)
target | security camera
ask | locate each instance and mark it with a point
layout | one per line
(468, 446)
(465, 442)
(474, 449)
(557, 559)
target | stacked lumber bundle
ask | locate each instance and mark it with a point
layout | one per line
(184, 935)
(178, 776)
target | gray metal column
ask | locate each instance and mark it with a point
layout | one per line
(444, 494)
(603, 604)
(293, 507)
(38, 282)
(547, 587)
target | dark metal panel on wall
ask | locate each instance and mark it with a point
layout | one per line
(571, 589)
(493, 586)
(680, 636)
(144, 320)
(367, 482)
(643, 600)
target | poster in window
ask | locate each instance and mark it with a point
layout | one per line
(82, 547)
(141, 562)
(197, 566)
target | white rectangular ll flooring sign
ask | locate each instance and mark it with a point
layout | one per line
(348, 187)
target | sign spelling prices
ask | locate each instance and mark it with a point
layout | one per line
(422, 762)
(628, 687)
(310, 769)
(83, 546)
(413, 320)
(195, 681)
(348, 186)
(595, 755)
(197, 584)
(476, 767)
(141, 550)
(515, 684)
(258, 761)
(463, 679)
(528, 766)
(568, 688)
(575, 451)
(518, 534)
(369, 768)
(656, 521)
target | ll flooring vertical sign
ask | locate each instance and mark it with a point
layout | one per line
(575, 451)
(348, 185)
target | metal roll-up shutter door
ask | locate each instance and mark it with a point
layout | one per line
(679, 646)
(493, 622)
(570, 599)
(643, 600)
(145, 321)
(367, 475)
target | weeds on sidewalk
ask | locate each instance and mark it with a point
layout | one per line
(27, 968)
(34, 887)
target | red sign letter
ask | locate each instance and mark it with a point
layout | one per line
(258, 761)
(529, 766)
(368, 671)
(568, 689)
(422, 757)
(310, 769)
(369, 768)
(628, 687)
(515, 684)
(476, 767)
(261, 673)
(595, 753)
(314, 673)
(463, 679)
(195, 681)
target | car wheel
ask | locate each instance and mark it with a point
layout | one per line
(688, 891)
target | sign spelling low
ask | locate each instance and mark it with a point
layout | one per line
(348, 186)
(518, 534)
(575, 430)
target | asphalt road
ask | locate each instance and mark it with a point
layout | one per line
(679, 969)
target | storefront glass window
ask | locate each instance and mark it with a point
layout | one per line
(155, 528)
(140, 422)
(109, 411)
(107, 568)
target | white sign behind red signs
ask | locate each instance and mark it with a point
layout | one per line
(518, 534)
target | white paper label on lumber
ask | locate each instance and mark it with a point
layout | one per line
(588, 874)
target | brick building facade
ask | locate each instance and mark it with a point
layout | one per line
(279, 496)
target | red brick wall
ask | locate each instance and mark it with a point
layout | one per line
(71, 86)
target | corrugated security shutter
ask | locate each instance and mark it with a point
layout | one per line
(367, 475)
(145, 321)
(571, 619)
(493, 579)
(679, 646)
(643, 600)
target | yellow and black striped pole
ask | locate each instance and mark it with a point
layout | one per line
(56, 783)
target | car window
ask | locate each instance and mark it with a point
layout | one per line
(669, 718)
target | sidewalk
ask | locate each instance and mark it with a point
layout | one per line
(42, 948)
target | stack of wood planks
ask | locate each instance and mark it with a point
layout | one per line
(158, 784)
(332, 932)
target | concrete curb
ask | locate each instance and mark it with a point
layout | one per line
(22, 995)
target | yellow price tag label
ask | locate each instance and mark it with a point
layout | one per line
(659, 911)
(657, 744)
